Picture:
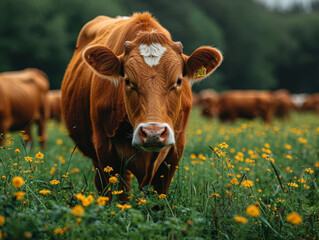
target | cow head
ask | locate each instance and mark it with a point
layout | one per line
(153, 72)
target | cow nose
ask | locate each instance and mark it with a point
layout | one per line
(153, 136)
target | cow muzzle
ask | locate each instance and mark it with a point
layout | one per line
(153, 136)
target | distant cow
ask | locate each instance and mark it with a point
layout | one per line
(54, 98)
(208, 99)
(24, 101)
(283, 103)
(247, 104)
(126, 98)
(311, 103)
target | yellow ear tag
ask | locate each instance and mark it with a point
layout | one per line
(200, 73)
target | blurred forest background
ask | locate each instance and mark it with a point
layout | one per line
(264, 48)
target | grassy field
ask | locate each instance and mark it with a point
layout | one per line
(235, 181)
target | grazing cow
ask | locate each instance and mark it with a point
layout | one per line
(208, 100)
(311, 103)
(126, 98)
(54, 98)
(246, 104)
(283, 103)
(23, 102)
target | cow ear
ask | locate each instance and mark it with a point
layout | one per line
(202, 63)
(103, 62)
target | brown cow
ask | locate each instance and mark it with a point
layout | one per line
(54, 98)
(246, 104)
(23, 102)
(283, 103)
(208, 99)
(128, 77)
(311, 103)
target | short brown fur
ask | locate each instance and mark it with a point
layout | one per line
(101, 110)
(23, 102)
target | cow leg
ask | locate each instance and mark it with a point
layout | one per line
(44, 116)
(28, 136)
(4, 127)
(165, 172)
(107, 156)
(42, 134)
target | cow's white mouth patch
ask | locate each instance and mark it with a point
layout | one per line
(152, 53)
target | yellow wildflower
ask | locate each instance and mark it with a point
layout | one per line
(102, 200)
(108, 169)
(124, 206)
(19, 195)
(113, 179)
(267, 145)
(45, 192)
(87, 201)
(223, 145)
(17, 150)
(294, 218)
(198, 131)
(287, 146)
(317, 164)
(252, 211)
(309, 170)
(74, 170)
(2, 220)
(247, 183)
(54, 182)
(234, 181)
(27, 234)
(302, 140)
(117, 192)
(52, 171)
(214, 195)
(77, 210)
(240, 219)
(162, 196)
(292, 184)
(58, 231)
(141, 201)
(192, 156)
(28, 159)
(17, 181)
(288, 156)
(39, 155)
(59, 141)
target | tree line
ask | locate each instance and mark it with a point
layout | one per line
(262, 49)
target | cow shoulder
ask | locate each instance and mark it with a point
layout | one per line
(107, 106)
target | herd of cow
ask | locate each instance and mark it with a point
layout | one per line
(249, 104)
(126, 99)
(26, 99)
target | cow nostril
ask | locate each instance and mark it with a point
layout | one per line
(163, 131)
(144, 132)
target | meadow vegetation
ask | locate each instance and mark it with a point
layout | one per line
(245, 180)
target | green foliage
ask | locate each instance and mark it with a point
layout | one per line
(271, 156)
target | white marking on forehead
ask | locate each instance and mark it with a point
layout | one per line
(152, 53)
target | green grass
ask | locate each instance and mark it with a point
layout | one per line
(280, 159)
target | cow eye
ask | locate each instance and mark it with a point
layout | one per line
(127, 82)
(179, 82)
